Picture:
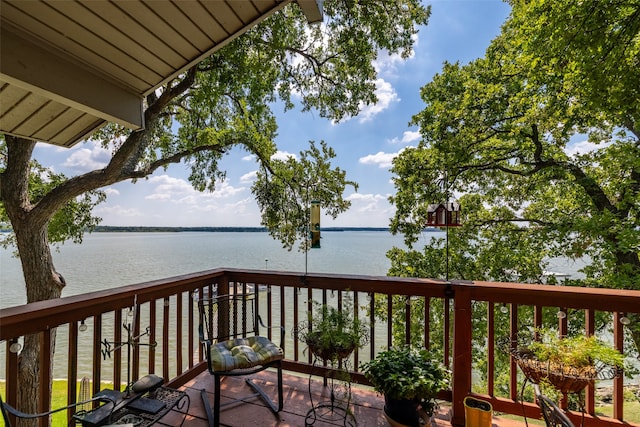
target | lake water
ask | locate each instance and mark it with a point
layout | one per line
(107, 260)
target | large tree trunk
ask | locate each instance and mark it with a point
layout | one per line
(44, 283)
(42, 280)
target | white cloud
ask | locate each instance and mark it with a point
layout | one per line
(386, 95)
(224, 190)
(91, 157)
(367, 202)
(407, 137)
(230, 209)
(583, 147)
(283, 155)
(279, 155)
(387, 65)
(167, 187)
(117, 211)
(158, 196)
(180, 191)
(242, 212)
(249, 177)
(111, 191)
(367, 210)
(382, 159)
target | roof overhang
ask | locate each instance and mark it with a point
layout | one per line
(69, 67)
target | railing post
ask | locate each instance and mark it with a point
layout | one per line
(223, 285)
(461, 384)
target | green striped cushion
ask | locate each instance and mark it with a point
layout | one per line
(242, 353)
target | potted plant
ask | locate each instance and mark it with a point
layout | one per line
(410, 379)
(569, 364)
(332, 334)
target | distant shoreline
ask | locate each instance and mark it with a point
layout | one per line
(123, 229)
(151, 229)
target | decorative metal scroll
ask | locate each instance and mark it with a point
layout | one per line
(133, 341)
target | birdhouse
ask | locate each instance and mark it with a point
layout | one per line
(444, 215)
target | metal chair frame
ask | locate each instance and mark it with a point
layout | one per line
(553, 415)
(226, 317)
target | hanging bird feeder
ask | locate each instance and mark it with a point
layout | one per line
(315, 224)
(444, 215)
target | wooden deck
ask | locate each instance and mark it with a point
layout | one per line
(366, 404)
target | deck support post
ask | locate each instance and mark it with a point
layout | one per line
(461, 384)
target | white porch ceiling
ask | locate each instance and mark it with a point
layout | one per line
(67, 67)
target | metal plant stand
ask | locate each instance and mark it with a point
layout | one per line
(336, 409)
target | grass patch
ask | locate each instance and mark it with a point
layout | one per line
(631, 411)
(530, 421)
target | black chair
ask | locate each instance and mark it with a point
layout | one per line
(553, 415)
(8, 410)
(229, 332)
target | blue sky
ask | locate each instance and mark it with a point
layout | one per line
(458, 30)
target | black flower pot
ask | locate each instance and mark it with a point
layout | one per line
(403, 411)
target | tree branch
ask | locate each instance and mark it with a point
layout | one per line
(123, 162)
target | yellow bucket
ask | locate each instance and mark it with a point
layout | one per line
(477, 412)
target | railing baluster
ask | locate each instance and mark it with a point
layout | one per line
(357, 317)
(165, 338)
(96, 353)
(296, 319)
(325, 301)
(589, 329)
(135, 369)
(45, 373)
(191, 345)
(153, 312)
(491, 349)
(117, 355)
(389, 320)
(11, 364)
(447, 328)
(72, 366)
(283, 320)
(513, 369)
(618, 382)
(372, 325)
(407, 320)
(308, 313)
(178, 333)
(427, 322)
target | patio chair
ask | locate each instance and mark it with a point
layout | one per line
(228, 328)
(8, 410)
(553, 415)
